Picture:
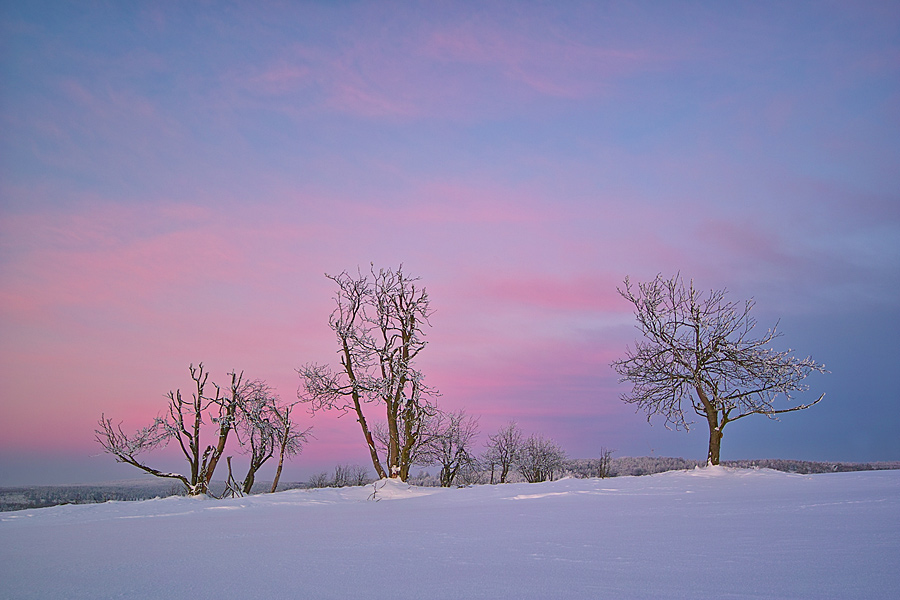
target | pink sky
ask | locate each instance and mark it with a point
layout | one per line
(175, 183)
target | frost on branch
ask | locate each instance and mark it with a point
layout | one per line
(248, 411)
(540, 459)
(451, 445)
(378, 323)
(502, 450)
(126, 448)
(698, 352)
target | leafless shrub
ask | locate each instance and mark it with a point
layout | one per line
(450, 445)
(540, 459)
(502, 450)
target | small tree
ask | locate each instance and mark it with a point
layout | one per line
(341, 476)
(249, 405)
(540, 459)
(289, 438)
(349, 475)
(183, 423)
(698, 349)
(265, 428)
(605, 466)
(451, 444)
(502, 450)
(256, 428)
(318, 480)
(358, 475)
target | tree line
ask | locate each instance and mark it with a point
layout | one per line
(28, 497)
(698, 352)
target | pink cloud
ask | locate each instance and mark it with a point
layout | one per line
(280, 78)
(581, 294)
(73, 89)
(552, 66)
(448, 203)
(453, 69)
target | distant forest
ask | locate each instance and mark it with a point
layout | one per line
(26, 497)
(648, 465)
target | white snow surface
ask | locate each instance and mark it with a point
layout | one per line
(714, 532)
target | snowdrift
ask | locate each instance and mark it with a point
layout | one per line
(715, 532)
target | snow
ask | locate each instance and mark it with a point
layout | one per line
(711, 532)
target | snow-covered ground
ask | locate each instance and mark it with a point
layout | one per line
(691, 534)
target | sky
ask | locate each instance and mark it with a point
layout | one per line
(177, 179)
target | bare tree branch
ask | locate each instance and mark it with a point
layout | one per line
(503, 450)
(698, 352)
(378, 323)
(250, 410)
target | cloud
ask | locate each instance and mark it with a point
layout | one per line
(554, 66)
(555, 293)
(461, 66)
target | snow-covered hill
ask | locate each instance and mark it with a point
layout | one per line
(704, 533)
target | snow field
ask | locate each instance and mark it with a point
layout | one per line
(715, 532)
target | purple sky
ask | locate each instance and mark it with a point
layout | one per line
(175, 180)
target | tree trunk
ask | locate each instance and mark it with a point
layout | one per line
(715, 426)
(280, 465)
(347, 361)
(393, 452)
(249, 480)
(224, 430)
(715, 443)
(373, 453)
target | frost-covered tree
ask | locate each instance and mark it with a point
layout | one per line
(451, 445)
(318, 480)
(183, 423)
(540, 459)
(349, 475)
(502, 450)
(699, 353)
(255, 428)
(604, 467)
(378, 322)
(246, 404)
(416, 435)
(289, 438)
(265, 428)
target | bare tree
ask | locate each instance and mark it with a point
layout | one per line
(289, 438)
(540, 459)
(451, 444)
(349, 475)
(416, 435)
(605, 466)
(319, 480)
(128, 448)
(227, 409)
(183, 423)
(358, 475)
(503, 450)
(698, 349)
(250, 406)
(256, 428)
(378, 324)
(341, 476)
(232, 487)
